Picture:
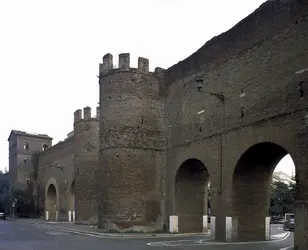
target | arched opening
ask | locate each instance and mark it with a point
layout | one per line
(45, 147)
(252, 189)
(72, 197)
(191, 195)
(51, 202)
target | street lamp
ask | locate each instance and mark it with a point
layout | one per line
(220, 97)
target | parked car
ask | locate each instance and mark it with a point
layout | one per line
(281, 221)
(2, 216)
(274, 220)
(289, 222)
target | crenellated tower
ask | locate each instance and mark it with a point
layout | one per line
(86, 162)
(132, 145)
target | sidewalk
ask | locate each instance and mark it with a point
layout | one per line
(93, 230)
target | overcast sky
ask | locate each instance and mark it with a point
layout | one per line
(50, 50)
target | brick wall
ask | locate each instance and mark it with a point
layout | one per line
(57, 163)
(132, 142)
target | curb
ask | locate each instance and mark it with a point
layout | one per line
(287, 248)
(208, 242)
(110, 235)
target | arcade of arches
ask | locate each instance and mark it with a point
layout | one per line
(249, 190)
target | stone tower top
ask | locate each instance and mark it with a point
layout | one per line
(85, 115)
(107, 68)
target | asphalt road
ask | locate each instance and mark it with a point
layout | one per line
(16, 235)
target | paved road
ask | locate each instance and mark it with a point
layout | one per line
(17, 235)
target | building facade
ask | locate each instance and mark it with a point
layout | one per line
(57, 173)
(226, 114)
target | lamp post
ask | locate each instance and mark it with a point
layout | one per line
(220, 97)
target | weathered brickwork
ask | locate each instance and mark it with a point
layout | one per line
(21, 148)
(254, 65)
(158, 140)
(55, 167)
(63, 171)
(259, 57)
(86, 162)
(132, 141)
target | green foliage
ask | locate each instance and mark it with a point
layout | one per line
(25, 204)
(282, 198)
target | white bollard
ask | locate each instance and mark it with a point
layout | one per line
(56, 215)
(47, 215)
(267, 228)
(74, 216)
(205, 223)
(213, 226)
(173, 224)
(229, 229)
(69, 216)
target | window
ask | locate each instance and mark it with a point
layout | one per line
(45, 146)
(26, 145)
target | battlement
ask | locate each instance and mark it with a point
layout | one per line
(85, 114)
(107, 67)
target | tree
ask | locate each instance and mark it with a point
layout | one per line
(24, 203)
(282, 198)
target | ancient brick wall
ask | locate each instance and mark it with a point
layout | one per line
(20, 162)
(262, 57)
(86, 166)
(57, 163)
(132, 142)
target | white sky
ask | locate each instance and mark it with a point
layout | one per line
(50, 50)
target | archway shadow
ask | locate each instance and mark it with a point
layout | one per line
(191, 195)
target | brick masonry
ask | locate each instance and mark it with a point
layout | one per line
(85, 162)
(150, 124)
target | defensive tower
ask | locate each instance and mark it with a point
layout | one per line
(86, 163)
(132, 144)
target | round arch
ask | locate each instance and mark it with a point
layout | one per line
(251, 189)
(191, 195)
(52, 198)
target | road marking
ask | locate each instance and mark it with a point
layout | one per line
(110, 236)
(174, 243)
(57, 233)
(113, 236)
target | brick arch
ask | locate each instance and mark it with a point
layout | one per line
(195, 152)
(175, 158)
(247, 139)
(191, 197)
(251, 178)
(52, 202)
